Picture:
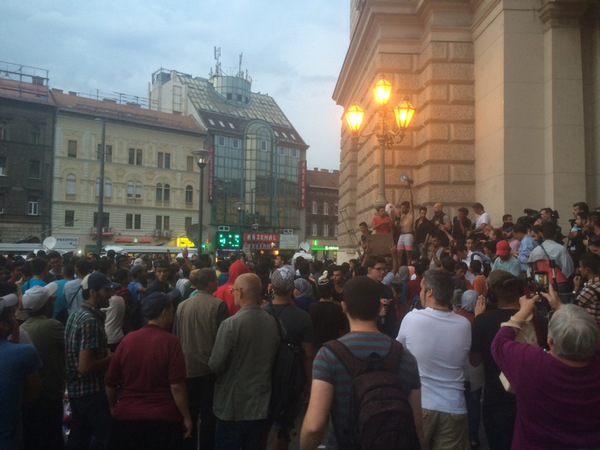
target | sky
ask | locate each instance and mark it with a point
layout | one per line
(293, 50)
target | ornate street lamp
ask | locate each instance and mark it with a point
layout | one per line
(404, 113)
(202, 158)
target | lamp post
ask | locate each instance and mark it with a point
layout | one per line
(403, 113)
(202, 157)
(100, 221)
(240, 209)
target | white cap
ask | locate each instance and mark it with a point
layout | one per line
(8, 301)
(139, 262)
(36, 297)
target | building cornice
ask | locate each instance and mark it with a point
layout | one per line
(562, 13)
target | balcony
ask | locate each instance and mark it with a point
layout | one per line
(163, 233)
(106, 231)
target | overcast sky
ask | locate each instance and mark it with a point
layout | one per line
(293, 50)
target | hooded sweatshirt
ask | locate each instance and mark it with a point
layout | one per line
(237, 268)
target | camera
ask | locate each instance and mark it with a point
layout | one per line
(385, 302)
(532, 213)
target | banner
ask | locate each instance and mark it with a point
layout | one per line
(261, 237)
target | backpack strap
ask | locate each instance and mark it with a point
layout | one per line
(353, 365)
(393, 358)
(74, 295)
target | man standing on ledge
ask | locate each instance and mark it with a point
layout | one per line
(242, 358)
(382, 223)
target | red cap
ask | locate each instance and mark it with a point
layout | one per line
(502, 248)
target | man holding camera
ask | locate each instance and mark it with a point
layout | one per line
(552, 258)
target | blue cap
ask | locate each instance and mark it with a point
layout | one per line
(156, 302)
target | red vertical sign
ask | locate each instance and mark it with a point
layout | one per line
(302, 184)
(211, 172)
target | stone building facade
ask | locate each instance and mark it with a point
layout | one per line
(26, 139)
(322, 194)
(150, 191)
(507, 98)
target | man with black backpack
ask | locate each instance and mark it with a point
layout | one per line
(364, 360)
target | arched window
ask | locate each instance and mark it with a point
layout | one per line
(138, 190)
(314, 229)
(159, 192)
(71, 184)
(189, 194)
(130, 189)
(325, 229)
(326, 208)
(314, 209)
(167, 193)
(107, 187)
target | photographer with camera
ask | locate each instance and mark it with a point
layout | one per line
(589, 293)
(552, 258)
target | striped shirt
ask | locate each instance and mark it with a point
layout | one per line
(85, 331)
(329, 369)
(588, 298)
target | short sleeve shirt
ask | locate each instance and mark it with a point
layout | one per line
(297, 323)
(385, 228)
(483, 219)
(329, 369)
(85, 331)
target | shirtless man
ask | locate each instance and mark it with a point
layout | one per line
(407, 221)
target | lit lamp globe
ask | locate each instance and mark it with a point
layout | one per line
(404, 113)
(354, 116)
(382, 91)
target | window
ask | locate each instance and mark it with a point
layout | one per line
(36, 135)
(326, 208)
(138, 157)
(105, 220)
(189, 194)
(107, 152)
(163, 222)
(221, 123)
(132, 156)
(2, 204)
(133, 221)
(231, 126)
(32, 208)
(107, 187)
(293, 137)
(71, 184)
(167, 193)
(221, 141)
(281, 151)
(325, 229)
(294, 153)
(335, 229)
(263, 145)
(314, 229)
(229, 96)
(314, 208)
(235, 143)
(69, 218)
(130, 189)
(160, 159)
(35, 169)
(159, 191)
(212, 122)
(190, 163)
(138, 190)
(335, 209)
(284, 135)
(188, 222)
(239, 98)
(2, 166)
(167, 160)
(72, 149)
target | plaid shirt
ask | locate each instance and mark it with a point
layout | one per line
(589, 297)
(85, 331)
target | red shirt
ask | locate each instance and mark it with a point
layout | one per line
(385, 228)
(146, 364)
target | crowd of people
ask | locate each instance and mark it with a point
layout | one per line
(458, 323)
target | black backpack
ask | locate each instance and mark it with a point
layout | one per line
(134, 311)
(381, 417)
(287, 382)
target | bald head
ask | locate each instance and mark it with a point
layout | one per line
(250, 288)
(438, 207)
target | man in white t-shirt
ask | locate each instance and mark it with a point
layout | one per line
(467, 256)
(483, 218)
(441, 360)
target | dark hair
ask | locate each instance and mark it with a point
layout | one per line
(16, 264)
(478, 206)
(491, 246)
(104, 264)
(7, 288)
(317, 266)
(299, 260)
(498, 234)
(223, 266)
(283, 257)
(476, 265)
(121, 276)
(362, 298)
(442, 284)
(505, 217)
(84, 266)
(26, 269)
(304, 268)
(591, 261)
(448, 264)
(583, 206)
(68, 271)
(594, 218)
(505, 287)
(38, 265)
(361, 271)
(200, 279)
(405, 203)
(583, 215)
(160, 264)
(461, 266)
(423, 208)
(547, 210)
(549, 230)
(335, 269)
(363, 224)
(186, 270)
(464, 210)
(373, 260)
(421, 266)
(345, 268)
(519, 228)
(595, 241)
(53, 254)
(325, 290)
(460, 248)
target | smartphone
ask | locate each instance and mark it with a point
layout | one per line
(541, 282)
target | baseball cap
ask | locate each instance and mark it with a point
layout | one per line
(282, 279)
(155, 303)
(8, 301)
(98, 280)
(139, 262)
(36, 297)
(137, 269)
(502, 248)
